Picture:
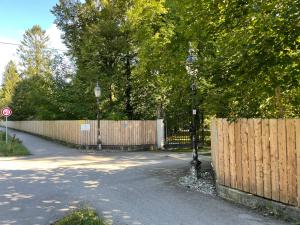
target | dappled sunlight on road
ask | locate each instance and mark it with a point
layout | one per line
(54, 180)
(79, 161)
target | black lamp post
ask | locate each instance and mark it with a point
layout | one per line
(194, 129)
(97, 91)
(195, 163)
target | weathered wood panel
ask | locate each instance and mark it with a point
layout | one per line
(232, 155)
(238, 149)
(226, 153)
(221, 152)
(251, 151)
(291, 162)
(259, 156)
(283, 195)
(129, 133)
(297, 123)
(274, 159)
(266, 158)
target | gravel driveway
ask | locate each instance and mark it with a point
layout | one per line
(127, 188)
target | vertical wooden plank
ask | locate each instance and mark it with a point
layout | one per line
(245, 156)
(282, 161)
(215, 147)
(231, 137)
(251, 151)
(221, 152)
(274, 159)
(104, 132)
(291, 162)
(298, 158)
(258, 157)
(226, 153)
(266, 158)
(213, 143)
(238, 150)
(110, 130)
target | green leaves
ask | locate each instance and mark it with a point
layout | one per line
(247, 59)
(11, 79)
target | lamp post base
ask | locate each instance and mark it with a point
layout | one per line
(195, 168)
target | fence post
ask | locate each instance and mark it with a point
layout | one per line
(160, 133)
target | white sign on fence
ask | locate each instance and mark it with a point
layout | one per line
(85, 127)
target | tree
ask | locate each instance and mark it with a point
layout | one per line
(33, 98)
(11, 79)
(33, 53)
(246, 53)
(99, 40)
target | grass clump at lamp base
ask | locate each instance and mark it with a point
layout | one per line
(81, 217)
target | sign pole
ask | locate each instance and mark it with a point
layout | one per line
(6, 130)
(6, 112)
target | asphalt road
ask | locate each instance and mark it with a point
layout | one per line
(126, 188)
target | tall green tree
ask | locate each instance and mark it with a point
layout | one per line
(99, 40)
(247, 56)
(10, 81)
(33, 53)
(33, 97)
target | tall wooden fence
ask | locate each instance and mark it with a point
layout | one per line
(259, 156)
(84, 132)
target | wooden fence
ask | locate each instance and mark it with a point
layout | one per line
(84, 132)
(258, 156)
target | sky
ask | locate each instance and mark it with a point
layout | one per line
(16, 16)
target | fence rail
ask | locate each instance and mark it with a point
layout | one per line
(258, 156)
(84, 132)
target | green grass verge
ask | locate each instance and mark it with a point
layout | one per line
(13, 148)
(81, 217)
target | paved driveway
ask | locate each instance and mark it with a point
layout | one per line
(127, 188)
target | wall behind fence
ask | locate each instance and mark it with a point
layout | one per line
(84, 132)
(258, 156)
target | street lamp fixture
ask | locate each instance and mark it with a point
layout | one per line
(97, 91)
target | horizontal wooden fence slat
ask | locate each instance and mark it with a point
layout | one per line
(112, 133)
(258, 156)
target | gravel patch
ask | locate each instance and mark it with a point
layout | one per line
(205, 184)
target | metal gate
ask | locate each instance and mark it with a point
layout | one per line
(178, 130)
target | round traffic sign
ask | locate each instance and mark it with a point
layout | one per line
(6, 112)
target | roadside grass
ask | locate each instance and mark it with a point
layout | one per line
(81, 217)
(14, 146)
